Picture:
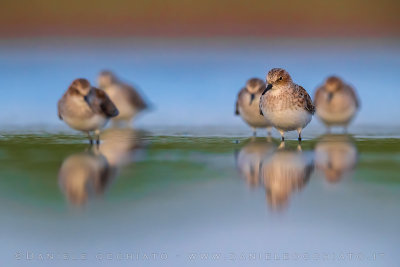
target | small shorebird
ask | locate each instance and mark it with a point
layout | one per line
(247, 105)
(86, 108)
(125, 97)
(285, 104)
(336, 102)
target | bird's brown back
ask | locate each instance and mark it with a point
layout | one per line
(304, 99)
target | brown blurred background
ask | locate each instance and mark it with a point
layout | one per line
(356, 18)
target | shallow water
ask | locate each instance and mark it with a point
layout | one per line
(199, 200)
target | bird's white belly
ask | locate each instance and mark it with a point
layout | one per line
(253, 117)
(289, 119)
(341, 117)
(339, 111)
(250, 113)
(91, 123)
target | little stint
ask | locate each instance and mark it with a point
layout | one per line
(247, 105)
(285, 104)
(336, 103)
(125, 97)
(86, 108)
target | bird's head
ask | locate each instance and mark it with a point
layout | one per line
(333, 84)
(277, 78)
(254, 85)
(82, 86)
(105, 79)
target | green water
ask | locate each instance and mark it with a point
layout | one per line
(186, 195)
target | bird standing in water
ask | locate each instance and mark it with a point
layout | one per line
(85, 108)
(128, 101)
(336, 103)
(248, 102)
(285, 104)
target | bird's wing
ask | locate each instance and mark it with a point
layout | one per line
(306, 99)
(59, 108)
(103, 104)
(354, 95)
(134, 97)
(261, 104)
(237, 101)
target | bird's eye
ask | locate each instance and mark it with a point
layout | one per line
(280, 78)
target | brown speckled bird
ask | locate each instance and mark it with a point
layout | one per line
(285, 104)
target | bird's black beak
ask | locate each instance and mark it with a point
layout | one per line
(330, 96)
(269, 86)
(251, 98)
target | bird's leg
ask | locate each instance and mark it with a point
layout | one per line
(282, 135)
(269, 135)
(90, 138)
(345, 129)
(269, 131)
(97, 133)
(254, 131)
(299, 131)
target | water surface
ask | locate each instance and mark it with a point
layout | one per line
(194, 199)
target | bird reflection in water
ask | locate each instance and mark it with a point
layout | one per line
(250, 157)
(336, 156)
(287, 171)
(282, 171)
(85, 175)
(121, 146)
